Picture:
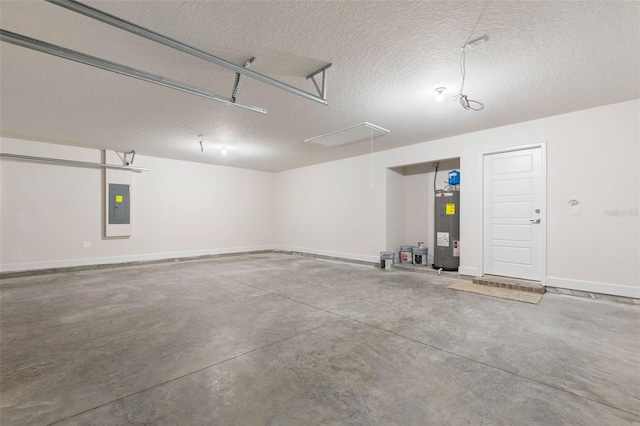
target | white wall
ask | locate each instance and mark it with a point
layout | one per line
(333, 209)
(341, 208)
(178, 209)
(592, 156)
(395, 211)
(416, 211)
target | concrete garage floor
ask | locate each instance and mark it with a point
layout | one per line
(275, 339)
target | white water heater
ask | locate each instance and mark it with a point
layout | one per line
(446, 253)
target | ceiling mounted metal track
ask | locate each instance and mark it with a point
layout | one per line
(107, 18)
(72, 162)
(82, 58)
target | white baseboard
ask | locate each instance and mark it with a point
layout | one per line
(467, 270)
(67, 263)
(581, 285)
(329, 253)
(594, 287)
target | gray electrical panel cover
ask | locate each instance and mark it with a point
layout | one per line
(446, 254)
(119, 204)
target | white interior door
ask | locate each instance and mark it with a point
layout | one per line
(513, 196)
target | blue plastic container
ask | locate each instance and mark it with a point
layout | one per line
(454, 177)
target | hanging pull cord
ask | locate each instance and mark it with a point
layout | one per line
(468, 104)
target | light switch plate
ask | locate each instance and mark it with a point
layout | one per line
(575, 209)
(86, 244)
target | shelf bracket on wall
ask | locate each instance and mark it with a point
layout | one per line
(236, 82)
(322, 91)
(125, 160)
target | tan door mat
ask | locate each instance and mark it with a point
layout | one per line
(503, 293)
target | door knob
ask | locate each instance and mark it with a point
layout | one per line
(536, 220)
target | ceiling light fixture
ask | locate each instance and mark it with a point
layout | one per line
(440, 94)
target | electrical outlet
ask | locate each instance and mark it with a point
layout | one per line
(86, 244)
(575, 209)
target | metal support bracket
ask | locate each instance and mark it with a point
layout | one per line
(127, 161)
(236, 82)
(125, 157)
(321, 91)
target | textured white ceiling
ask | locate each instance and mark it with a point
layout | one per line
(542, 58)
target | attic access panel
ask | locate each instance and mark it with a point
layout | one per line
(351, 134)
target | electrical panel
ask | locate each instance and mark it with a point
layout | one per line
(119, 204)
